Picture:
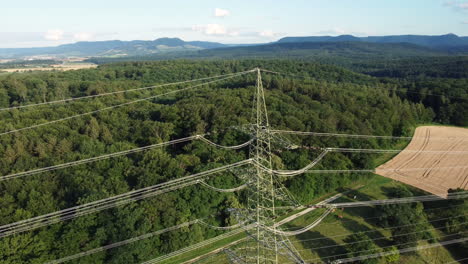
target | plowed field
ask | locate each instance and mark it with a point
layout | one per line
(431, 162)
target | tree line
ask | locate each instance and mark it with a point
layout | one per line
(332, 99)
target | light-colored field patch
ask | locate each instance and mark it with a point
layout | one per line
(445, 168)
(55, 67)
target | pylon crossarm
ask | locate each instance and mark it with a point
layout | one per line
(263, 191)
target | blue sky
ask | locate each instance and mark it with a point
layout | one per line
(30, 23)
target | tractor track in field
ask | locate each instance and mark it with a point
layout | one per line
(432, 180)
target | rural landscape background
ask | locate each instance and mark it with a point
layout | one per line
(105, 137)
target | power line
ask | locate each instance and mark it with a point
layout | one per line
(241, 187)
(262, 162)
(117, 154)
(376, 88)
(116, 106)
(425, 198)
(405, 250)
(456, 261)
(380, 238)
(387, 228)
(111, 202)
(217, 252)
(307, 168)
(304, 229)
(373, 170)
(122, 243)
(354, 150)
(226, 147)
(138, 238)
(287, 173)
(94, 159)
(220, 227)
(391, 252)
(376, 217)
(318, 134)
(262, 186)
(307, 210)
(198, 245)
(327, 134)
(118, 92)
(262, 192)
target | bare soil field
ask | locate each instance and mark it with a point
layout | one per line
(443, 169)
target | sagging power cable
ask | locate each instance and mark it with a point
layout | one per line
(117, 154)
(117, 92)
(111, 202)
(116, 106)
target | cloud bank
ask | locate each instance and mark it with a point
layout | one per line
(459, 5)
(54, 34)
(221, 12)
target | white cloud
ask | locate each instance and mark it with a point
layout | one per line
(211, 29)
(458, 5)
(463, 5)
(50, 38)
(449, 3)
(267, 33)
(333, 31)
(54, 34)
(221, 12)
(82, 36)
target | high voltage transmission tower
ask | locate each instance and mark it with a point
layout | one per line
(266, 245)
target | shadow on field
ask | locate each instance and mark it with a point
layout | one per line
(367, 213)
(355, 227)
(321, 245)
(356, 195)
(392, 192)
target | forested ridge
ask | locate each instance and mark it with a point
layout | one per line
(319, 98)
(414, 72)
(342, 53)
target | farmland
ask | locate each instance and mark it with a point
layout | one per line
(51, 67)
(40, 136)
(432, 147)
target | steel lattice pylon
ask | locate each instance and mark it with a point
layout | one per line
(265, 244)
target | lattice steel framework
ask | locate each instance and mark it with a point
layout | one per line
(263, 191)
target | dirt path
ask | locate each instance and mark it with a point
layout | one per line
(433, 179)
(310, 209)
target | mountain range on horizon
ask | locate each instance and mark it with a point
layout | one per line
(118, 48)
(110, 48)
(448, 40)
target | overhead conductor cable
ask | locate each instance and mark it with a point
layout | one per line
(116, 154)
(117, 92)
(119, 105)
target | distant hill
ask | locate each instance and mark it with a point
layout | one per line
(336, 52)
(443, 42)
(323, 48)
(112, 48)
(168, 48)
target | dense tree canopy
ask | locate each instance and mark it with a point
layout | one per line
(360, 244)
(409, 220)
(331, 99)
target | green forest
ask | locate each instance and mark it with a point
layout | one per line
(367, 98)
